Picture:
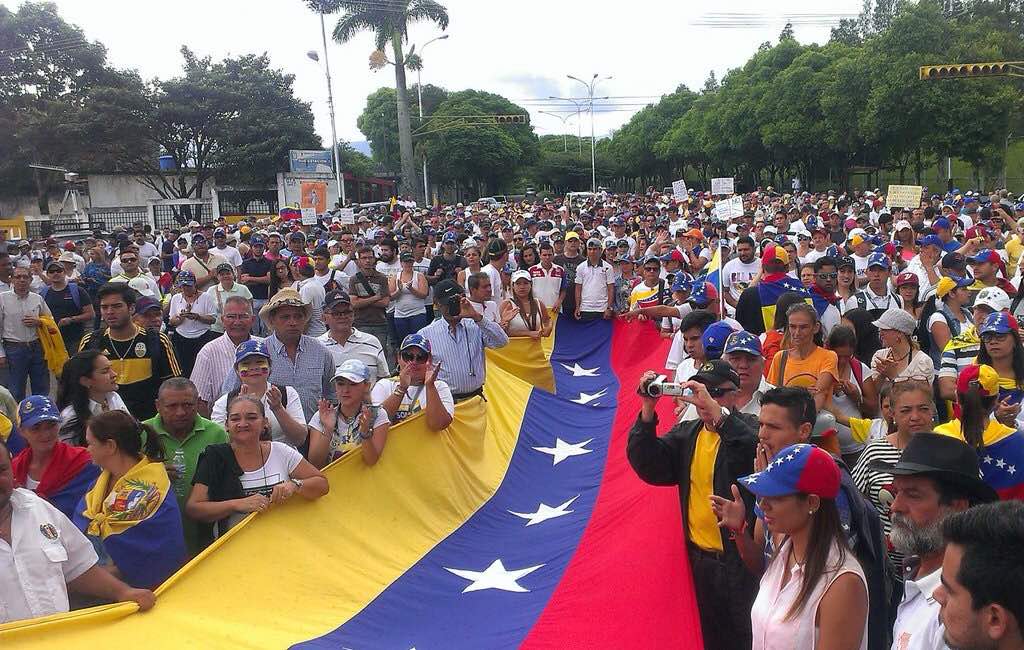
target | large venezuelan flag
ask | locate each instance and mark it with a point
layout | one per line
(522, 525)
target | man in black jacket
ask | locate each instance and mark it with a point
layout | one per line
(705, 457)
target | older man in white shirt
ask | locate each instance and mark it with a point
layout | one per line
(42, 554)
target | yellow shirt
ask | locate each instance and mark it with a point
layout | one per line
(993, 433)
(704, 530)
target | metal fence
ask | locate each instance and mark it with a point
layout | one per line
(108, 219)
(241, 203)
(178, 215)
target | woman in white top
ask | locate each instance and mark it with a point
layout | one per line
(354, 422)
(191, 315)
(522, 314)
(282, 405)
(813, 593)
(88, 387)
(472, 255)
(225, 288)
(408, 288)
(271, 472)
(416, 388)
(899, 357)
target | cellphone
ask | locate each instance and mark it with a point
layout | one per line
(454, 306)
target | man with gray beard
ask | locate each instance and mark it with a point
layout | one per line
(936, 476)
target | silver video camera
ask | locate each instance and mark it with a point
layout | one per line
(659, 387)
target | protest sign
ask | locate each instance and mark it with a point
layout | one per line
(729, 209)
(679, 189)
(722, 186)
(347, 216)
(904, 196)
(309, 216)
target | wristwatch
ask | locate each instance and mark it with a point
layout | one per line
(297, 482)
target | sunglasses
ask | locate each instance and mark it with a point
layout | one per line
(415, 358)
(719, 391)
(129, 259)
(54, 270)
(828, 276)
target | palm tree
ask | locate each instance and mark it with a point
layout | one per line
(389, 21)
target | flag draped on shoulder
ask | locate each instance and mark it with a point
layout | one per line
(67, 477)
(137, 522)
(769, 289)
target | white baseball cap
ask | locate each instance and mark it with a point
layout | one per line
(993, 297)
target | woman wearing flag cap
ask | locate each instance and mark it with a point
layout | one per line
(814, 588)
(53, 469)
(416, 388)
(1001, 348)
(191, 315)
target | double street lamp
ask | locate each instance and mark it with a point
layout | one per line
(565, 136)
(593, 151)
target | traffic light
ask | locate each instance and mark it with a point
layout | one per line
(969, 70)
(510, 119)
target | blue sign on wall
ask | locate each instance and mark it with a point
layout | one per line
(301, 160)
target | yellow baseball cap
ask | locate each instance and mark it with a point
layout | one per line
(572, 234)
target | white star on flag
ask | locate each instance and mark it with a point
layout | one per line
(1000, 463)
(563, 449)
(579, 371)
(587, 398)
(988, 460)
(545, 512)
(495, 576)
(1011, 469)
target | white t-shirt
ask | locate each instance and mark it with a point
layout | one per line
(280, 464)
(345, 436)
(341, 279)
(219, 414)
(114, 403)
(737, 275)
(191, 328)
(495, 275)
(231, 254)
(594, 281)
(488, 310)
(415, 398)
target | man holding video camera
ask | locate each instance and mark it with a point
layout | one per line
(704, 457)
(458, 338)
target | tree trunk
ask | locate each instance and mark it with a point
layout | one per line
(409, 184)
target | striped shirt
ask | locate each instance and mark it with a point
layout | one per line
(959, 353)
(878, 486)
(311, 374)
(359, 345)
(462, 354)
(215, 361)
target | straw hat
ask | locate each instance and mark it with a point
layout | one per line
(285, 298)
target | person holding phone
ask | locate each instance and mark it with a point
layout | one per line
(457, 340)
(416, 388)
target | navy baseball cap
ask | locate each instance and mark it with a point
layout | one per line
(714, 339)
(797, 469)
(743, 342)
(930, 240)
(35, 409)
(251, 348)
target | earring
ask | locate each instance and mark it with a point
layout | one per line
(811, 512)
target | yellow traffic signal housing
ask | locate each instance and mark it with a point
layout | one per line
(510, 119)
(971, 70)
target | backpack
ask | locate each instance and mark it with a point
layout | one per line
(76, 295)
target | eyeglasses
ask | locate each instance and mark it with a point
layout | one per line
(993, 336)
(415, 358)
(917, 378)
(54, 270)
(652, 269)
(340, 313)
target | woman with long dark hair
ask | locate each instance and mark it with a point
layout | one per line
(813, 587)
(771, 341)
(1002, 350)
(528, 256)
(88, 387)
(131, 514)
(861, 322)
(280, 277)
(530, 316)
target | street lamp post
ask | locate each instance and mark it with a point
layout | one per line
(330, 105)
(593, 151)
(565, 136)
(419, 96)
(579, 133)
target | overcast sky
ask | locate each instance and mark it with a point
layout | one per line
(522, 50)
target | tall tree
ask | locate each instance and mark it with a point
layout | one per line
(389, 21)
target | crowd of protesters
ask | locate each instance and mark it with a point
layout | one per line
(845, 443)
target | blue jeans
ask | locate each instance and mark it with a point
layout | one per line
(25, 361)
(409, 325)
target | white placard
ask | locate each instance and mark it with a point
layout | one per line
(729, 209)
(679, 189)
(722, 186)
(309, 217)
(347, 216)
(904, 196)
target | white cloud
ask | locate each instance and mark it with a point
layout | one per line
(522, 50)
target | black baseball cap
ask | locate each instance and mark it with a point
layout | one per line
(336, 297)
(713, 373)
(445, 290)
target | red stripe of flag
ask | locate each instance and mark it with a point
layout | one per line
(628, 585)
